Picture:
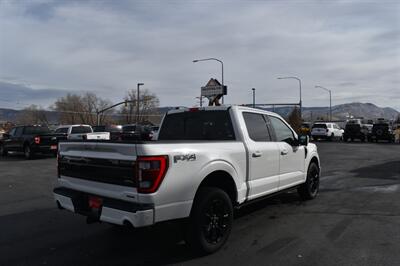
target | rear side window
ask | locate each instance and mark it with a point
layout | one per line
(198, 125)
(256, 127)
(62, 130)
(81, 129)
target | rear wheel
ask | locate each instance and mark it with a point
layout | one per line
(28, 152)
(210, 221)
(3, 151)
(309, 189)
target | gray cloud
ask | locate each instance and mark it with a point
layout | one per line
(107, 47)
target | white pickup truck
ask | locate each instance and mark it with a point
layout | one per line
(206, 162)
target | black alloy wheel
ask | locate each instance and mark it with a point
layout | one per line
(210, 222)
(310, 188)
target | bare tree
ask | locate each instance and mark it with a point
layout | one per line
(32, 115)
(148, 104)
(294, 119)
(81, 109)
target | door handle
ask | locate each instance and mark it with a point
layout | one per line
(284, 152)
(257, 154)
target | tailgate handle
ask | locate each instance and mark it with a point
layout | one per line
(284, 152)
(257, 154)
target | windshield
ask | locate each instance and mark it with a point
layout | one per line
(199, 125)
(319, 126)
(62, 130)
(81, 129)
(33, 130)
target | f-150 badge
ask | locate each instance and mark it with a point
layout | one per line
(185, 157)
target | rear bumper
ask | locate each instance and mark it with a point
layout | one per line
(45, 148)
(112, 211)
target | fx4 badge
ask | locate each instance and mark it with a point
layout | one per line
(186, 157)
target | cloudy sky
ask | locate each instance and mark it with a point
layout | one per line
(49, 48)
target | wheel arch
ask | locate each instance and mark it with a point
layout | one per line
(223, 180)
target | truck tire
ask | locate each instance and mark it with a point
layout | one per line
(28, 152)
(210, 221)
(309, 189)
(3, 151)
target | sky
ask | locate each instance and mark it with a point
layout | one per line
(50, 48)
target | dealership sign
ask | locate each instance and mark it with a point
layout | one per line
(213, 90)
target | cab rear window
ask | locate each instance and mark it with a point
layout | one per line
(198, 125)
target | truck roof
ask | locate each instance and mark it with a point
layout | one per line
(216, 108)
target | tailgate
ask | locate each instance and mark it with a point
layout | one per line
(112, 163)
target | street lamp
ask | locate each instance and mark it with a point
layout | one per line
(254, 97)
(299, 80)
(222, 70)
(330, 100)
(137, 103)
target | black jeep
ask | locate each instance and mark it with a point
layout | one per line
(381, 131)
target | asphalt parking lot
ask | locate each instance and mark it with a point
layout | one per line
(355, 220)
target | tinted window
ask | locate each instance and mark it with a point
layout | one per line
(18, 131)
(62, 130)
(36, 130)
(81, 129)
(99, 128)
(12, 132)
(198, 125)
(282, 131)
(128, 128)
(256, 127)
(319, 126)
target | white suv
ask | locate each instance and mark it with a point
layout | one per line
(75, 131)
(330, 131)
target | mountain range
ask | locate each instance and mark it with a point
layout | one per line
(339, 112)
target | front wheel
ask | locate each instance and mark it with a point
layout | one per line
(210, 221)
(309, 189)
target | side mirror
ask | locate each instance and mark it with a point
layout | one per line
(303, 140)
(6, 135)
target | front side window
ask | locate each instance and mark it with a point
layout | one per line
(12, 132)
(256, 127)
(282, 131)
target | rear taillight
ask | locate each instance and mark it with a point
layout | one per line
(37, 140)
(150, 172)
(58, 164)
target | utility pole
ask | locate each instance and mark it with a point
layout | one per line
(254, 97)
(330, 100)
(137, 102)
(301, 103)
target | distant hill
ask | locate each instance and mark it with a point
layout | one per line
(340, 112)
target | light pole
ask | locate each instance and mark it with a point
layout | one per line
(254, 97)
(299, 80)
(222, 70)
(330, 101)
(137, 103)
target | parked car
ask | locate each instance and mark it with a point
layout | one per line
(207, 162)
(355, 129)
(136, 132)
(381, 131)
(329, 131)
(115, 131)
(75, 131)
(30, 140)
